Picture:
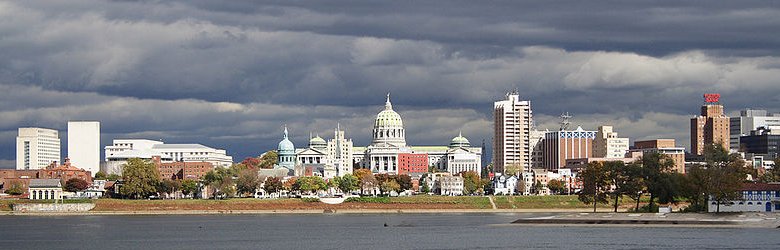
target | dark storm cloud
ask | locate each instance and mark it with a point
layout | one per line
(231, 73)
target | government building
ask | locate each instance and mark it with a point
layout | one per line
(387, 153)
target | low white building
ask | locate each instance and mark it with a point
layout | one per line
(504, 185)
(124, 149)
(450, 185)
(45, 189)
(756, 197)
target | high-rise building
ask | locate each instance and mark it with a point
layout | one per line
(710, 127)
(567, 144)
(749, 120)
(84, 144)
(36, 148)
(536, 143)
(608, 145)
(512, 123)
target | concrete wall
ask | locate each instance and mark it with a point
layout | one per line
(75, 207)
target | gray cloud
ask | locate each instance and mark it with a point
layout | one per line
(230, 74)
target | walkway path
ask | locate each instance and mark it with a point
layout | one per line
(490, 198)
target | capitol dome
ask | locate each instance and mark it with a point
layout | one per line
(389, 127)
(286, 146)
(459, 141)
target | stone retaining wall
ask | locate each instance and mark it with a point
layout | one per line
(75, 207)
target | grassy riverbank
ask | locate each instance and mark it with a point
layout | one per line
(418, 202)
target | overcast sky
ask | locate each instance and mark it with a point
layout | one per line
(230, 74)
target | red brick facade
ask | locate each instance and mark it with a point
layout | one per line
(62, 172)
(412, 163)
(182, 170)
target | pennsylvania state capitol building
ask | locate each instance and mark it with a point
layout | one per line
(387, 153)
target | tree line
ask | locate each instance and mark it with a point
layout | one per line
(719, 178)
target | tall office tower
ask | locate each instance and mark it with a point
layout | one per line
(36, 148)
(84, 145)
(749, 120)
(608, 145)
(512, 123)
(711, 127)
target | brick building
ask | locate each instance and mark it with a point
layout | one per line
(53, 171)
(412, 163)
(180, 170)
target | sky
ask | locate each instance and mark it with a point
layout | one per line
(231, 74)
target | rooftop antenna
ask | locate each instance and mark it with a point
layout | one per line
(565, 121)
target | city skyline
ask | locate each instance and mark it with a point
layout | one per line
(231, 75)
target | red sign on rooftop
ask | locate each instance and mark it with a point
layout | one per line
(711, 98)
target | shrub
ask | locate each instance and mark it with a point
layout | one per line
(368, 199)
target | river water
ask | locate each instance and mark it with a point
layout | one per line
(355, 231)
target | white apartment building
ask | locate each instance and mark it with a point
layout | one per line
(749, 120)
(512, 122)
(36, 148)
(608, 145)
(84, 144)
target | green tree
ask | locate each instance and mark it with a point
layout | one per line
(538, 187)
(247, 182)
(390, 185)
(113, 177)
(556, 186)
(168, 186)
(268, 159)
(273, 185)
(100, 175)
(14, 188)
(140, 178)
(424, 188)
(595, 184)
(348, 183)
(471, 182)
(631, 183)
(75, 185)
(220, 180)
(656, 168)
(515, 169)
(189, 187)
(310, 184)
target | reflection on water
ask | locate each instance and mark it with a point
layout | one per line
(338, 231)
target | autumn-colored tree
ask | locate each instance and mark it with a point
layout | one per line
(251, 162)
(388, 186)
(405, 181)
(76, 184)
(556, 186)
(273, 185)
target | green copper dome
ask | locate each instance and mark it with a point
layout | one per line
(460, 141)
